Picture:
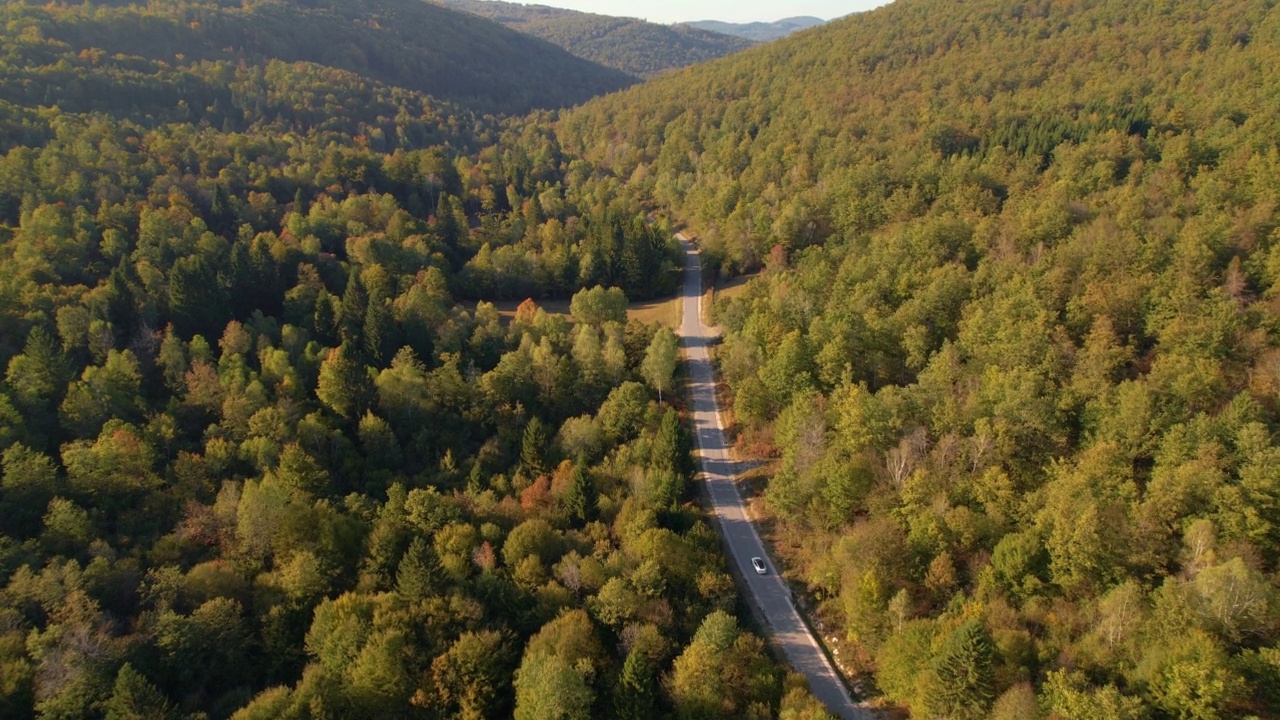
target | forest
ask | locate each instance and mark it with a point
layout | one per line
(1009, 363)
(1012, 349)
(267, 449)
(382, 41)
(638, 48)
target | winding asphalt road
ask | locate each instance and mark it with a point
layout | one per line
(769, 592)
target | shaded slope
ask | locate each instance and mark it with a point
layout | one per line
(414, 45)
(633, 46)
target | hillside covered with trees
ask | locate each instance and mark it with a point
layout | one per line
(1013, 351)
(258, 460)
(636, 47)
(467, 60)
(1015, 346)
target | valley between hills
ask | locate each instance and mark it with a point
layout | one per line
(342, 362)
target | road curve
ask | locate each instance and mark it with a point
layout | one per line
(769, 592)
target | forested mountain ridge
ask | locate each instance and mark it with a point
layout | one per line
(640, 48)
(257, 460)
(759, 31)
(414, 45)
(1015, 341)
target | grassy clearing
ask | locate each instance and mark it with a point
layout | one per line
(734, 287)
(665, 311)
(723, 290)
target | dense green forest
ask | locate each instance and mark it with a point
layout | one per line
(257, 458)
(636, 47)
(1012, 353)
(1015, 343)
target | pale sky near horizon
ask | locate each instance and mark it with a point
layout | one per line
(738, 11)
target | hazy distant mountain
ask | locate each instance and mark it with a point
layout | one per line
(640, 48)
(759, 31)
(402, 43)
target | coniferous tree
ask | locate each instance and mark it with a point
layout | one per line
(378, 332)
(268, 283)
(582, 500)
(672, 450)
(39, 374)
(300, 471)
(419, 575)
(196, 300)
(325, 317)
(29, 481)
(352, 310)
(344, 385)
(634, 698)
(451, 225)
(533, 447)
(222, 217)
(133, 697)
(242, 282)
(963, 685)
(121, 307)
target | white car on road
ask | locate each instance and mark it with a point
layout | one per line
(758, 564)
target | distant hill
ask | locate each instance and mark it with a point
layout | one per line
(636, 47)
(759, 31)
(414, 45)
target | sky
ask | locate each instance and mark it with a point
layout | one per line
(671, 11)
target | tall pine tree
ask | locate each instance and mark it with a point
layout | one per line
(222, 216)
(379, 332)
(533, 448)
(963, 685)
(133, 697)
(196, 298)
(671, 449)
(418, 576)
(344, 385)
(352, 310)
(634, 697)
(582, 501)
